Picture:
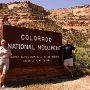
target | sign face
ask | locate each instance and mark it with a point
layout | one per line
(32, 47)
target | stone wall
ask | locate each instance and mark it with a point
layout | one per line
(35, 73)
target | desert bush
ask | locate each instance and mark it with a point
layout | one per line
(82, 60)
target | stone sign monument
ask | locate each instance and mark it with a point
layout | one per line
(32, 47)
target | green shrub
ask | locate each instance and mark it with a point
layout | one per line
(82, 61)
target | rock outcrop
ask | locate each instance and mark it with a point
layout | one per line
(25, 4)
(77, 18)
(16, 13)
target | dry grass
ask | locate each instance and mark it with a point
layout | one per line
(79, 84)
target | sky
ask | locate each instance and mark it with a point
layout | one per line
(54, 4)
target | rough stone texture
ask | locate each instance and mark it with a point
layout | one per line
(35, 73)
(77, 18)
(25, 4)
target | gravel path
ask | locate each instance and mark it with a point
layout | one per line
(79, 84)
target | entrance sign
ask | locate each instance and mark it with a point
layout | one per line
(33, 47)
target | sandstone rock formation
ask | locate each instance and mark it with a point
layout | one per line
(77, 18)
(16, 13)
